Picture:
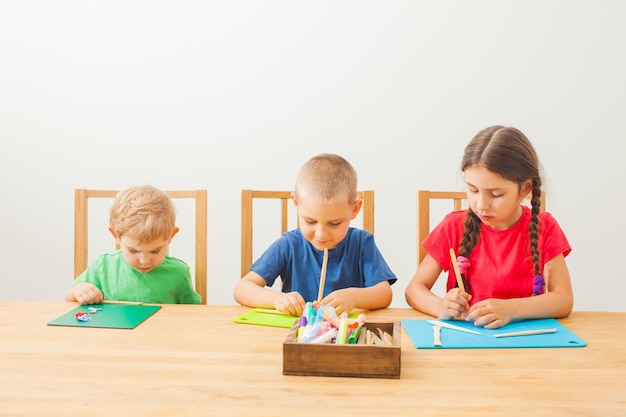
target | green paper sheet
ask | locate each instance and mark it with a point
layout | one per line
(258, 317)
(266, 319)
(112, 316)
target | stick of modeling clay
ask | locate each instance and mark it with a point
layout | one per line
(132, 303)
(455, 265)
(437, 335)
(525, 333)
(320, 294)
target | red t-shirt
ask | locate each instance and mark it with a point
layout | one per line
(501, 264)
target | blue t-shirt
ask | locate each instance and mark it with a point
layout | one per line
(355, 262)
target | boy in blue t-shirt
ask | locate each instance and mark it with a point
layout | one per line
(357, 275)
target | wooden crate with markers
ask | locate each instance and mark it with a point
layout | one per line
(375, 357)
(322, 344)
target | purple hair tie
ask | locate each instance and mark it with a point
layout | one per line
(538, 284)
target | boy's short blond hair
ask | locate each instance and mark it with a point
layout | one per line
(143, 213)
(328, 177)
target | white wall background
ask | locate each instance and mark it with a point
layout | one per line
(226, 95)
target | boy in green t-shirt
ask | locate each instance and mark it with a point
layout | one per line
(143, 223)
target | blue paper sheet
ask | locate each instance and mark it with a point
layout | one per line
(421, 334)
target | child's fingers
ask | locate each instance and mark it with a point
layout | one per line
(89, 294)
(454, 304)
(291, 303)
(461, 298)
(335, 300)
(298, 303)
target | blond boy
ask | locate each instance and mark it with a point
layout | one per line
(143, 223)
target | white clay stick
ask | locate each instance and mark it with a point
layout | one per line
(525, 333)
(452, 326)
(436, 335)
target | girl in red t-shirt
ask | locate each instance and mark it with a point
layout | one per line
(512, 258)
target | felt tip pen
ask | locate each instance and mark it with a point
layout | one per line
(311, 331)
(342, 333)
(354, 335)
(309, 312)
(300, 333)
(326, 337)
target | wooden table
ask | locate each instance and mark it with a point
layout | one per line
(195, 361)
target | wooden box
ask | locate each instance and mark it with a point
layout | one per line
(351, 360)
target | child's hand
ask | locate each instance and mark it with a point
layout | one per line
(291, 302)
(491, 313)
(86, 293)
(341, 300)
(454, 304)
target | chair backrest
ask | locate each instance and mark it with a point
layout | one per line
(81, 197)
(458, 198)
(247, 196)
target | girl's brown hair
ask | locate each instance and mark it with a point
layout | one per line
(507, 152)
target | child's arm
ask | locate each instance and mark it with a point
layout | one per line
(251, 291)
(368, 298)
(557, 302)
(85, 293)
(419, 295)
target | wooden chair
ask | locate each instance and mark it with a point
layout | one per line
(247, 196)
(81, 197)
(458, 199)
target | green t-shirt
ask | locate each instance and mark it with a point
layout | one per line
(169, 283)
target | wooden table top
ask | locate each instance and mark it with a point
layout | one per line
(195, 361)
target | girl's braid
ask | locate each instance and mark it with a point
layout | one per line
(471, 232)
(535, 204)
